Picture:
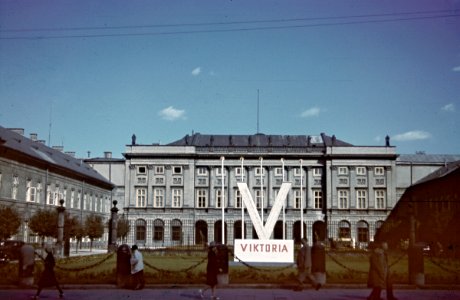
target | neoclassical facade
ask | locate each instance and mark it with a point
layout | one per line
(173, 194)
(34, 176)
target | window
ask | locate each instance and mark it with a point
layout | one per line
(176, 198)
(380, 199)
(317, 171)
(77, 204)
(239, 173)
(238, 198)
(176, 230)
(14, 190)
(158, 230)
(363, 232)
(344, 230)
(361, 199)
(39, 192)
(141, 197)
(85, 200)
(140, 231)
(260, 171)
(297, 172)
(343, 199)
(342, 171)
(360, 171)
(318, 199)
(297, 199)
(379, 171)
(259, 195)
(159, 197)
(72, 199)
(201, 171)
(278, 171)
(219, 198)
(219, 171)
(141, 170)
(31, 192)
(159, 170)
(177, 170)
(201, 198)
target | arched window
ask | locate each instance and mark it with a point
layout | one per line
(158, 230)
(344, 230)
(237, 230)
(176, 230)
(363, 231)
(201, 232)
(140, 231)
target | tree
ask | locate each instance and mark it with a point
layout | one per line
(10, 220)
(94, 228)
(44, 223)
(122, 228)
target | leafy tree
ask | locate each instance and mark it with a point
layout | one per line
(122, 228)
(10, 220)
(44, 223)
(94, 228)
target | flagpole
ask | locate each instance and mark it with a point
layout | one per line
(242, 202)
(284, 204)
(301, 200)
(222, 200)
(261, 191)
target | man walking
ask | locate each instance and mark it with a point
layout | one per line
(137, 268)
(304, 266)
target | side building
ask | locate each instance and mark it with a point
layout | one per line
(174, 193)
(34, 176)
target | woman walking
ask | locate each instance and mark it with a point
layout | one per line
(212, 269)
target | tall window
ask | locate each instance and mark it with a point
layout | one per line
(14, 189)
(140, 231)
(318, 199)
(176, 198)
(343, 199)
(380, 199)
(363, 232)
(159, 197)
(78, 203)
(141, 197)
(238, 198)
(176, 230)
(259, 195)
(85, 200)
(158, 230)
(297, 199)
(72, 199)
(344, 230)
(361, 199)
(39, 192)
(31, 192)
(219, 198)
(201, 198)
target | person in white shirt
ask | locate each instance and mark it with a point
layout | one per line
(137, 268)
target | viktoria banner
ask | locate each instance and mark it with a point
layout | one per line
(281, 251)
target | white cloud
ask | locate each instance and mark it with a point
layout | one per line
(170, 113)
(196, 71)
(311, 112)
(412, 136)
(456, 69)
(448, 107)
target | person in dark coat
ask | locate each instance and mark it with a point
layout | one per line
(304, 266)
(377, 272)
(48, 277)
(212, 270)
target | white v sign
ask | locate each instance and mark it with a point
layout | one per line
(264, 232)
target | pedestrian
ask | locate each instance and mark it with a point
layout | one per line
(389, 284)
(377, 271)
(304, 266)
(137, 268)
(48, 277)
(212, 270)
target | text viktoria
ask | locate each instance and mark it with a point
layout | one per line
(262, 247)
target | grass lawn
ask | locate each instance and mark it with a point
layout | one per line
(186, 268)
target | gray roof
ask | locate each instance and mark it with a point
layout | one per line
(258, 140)
(427, 158)
(441, 172)
(45, 156)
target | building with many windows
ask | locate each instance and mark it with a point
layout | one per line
(173, 194)
(34, 176)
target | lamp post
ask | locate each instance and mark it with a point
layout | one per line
(60, 238)
(112, 247)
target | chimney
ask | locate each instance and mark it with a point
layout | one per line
(17, 130)
(34, 137)
(58, 148)
(107, 154)
(70, 153)
(41, 142)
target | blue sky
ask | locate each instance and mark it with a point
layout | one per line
(99, 71)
